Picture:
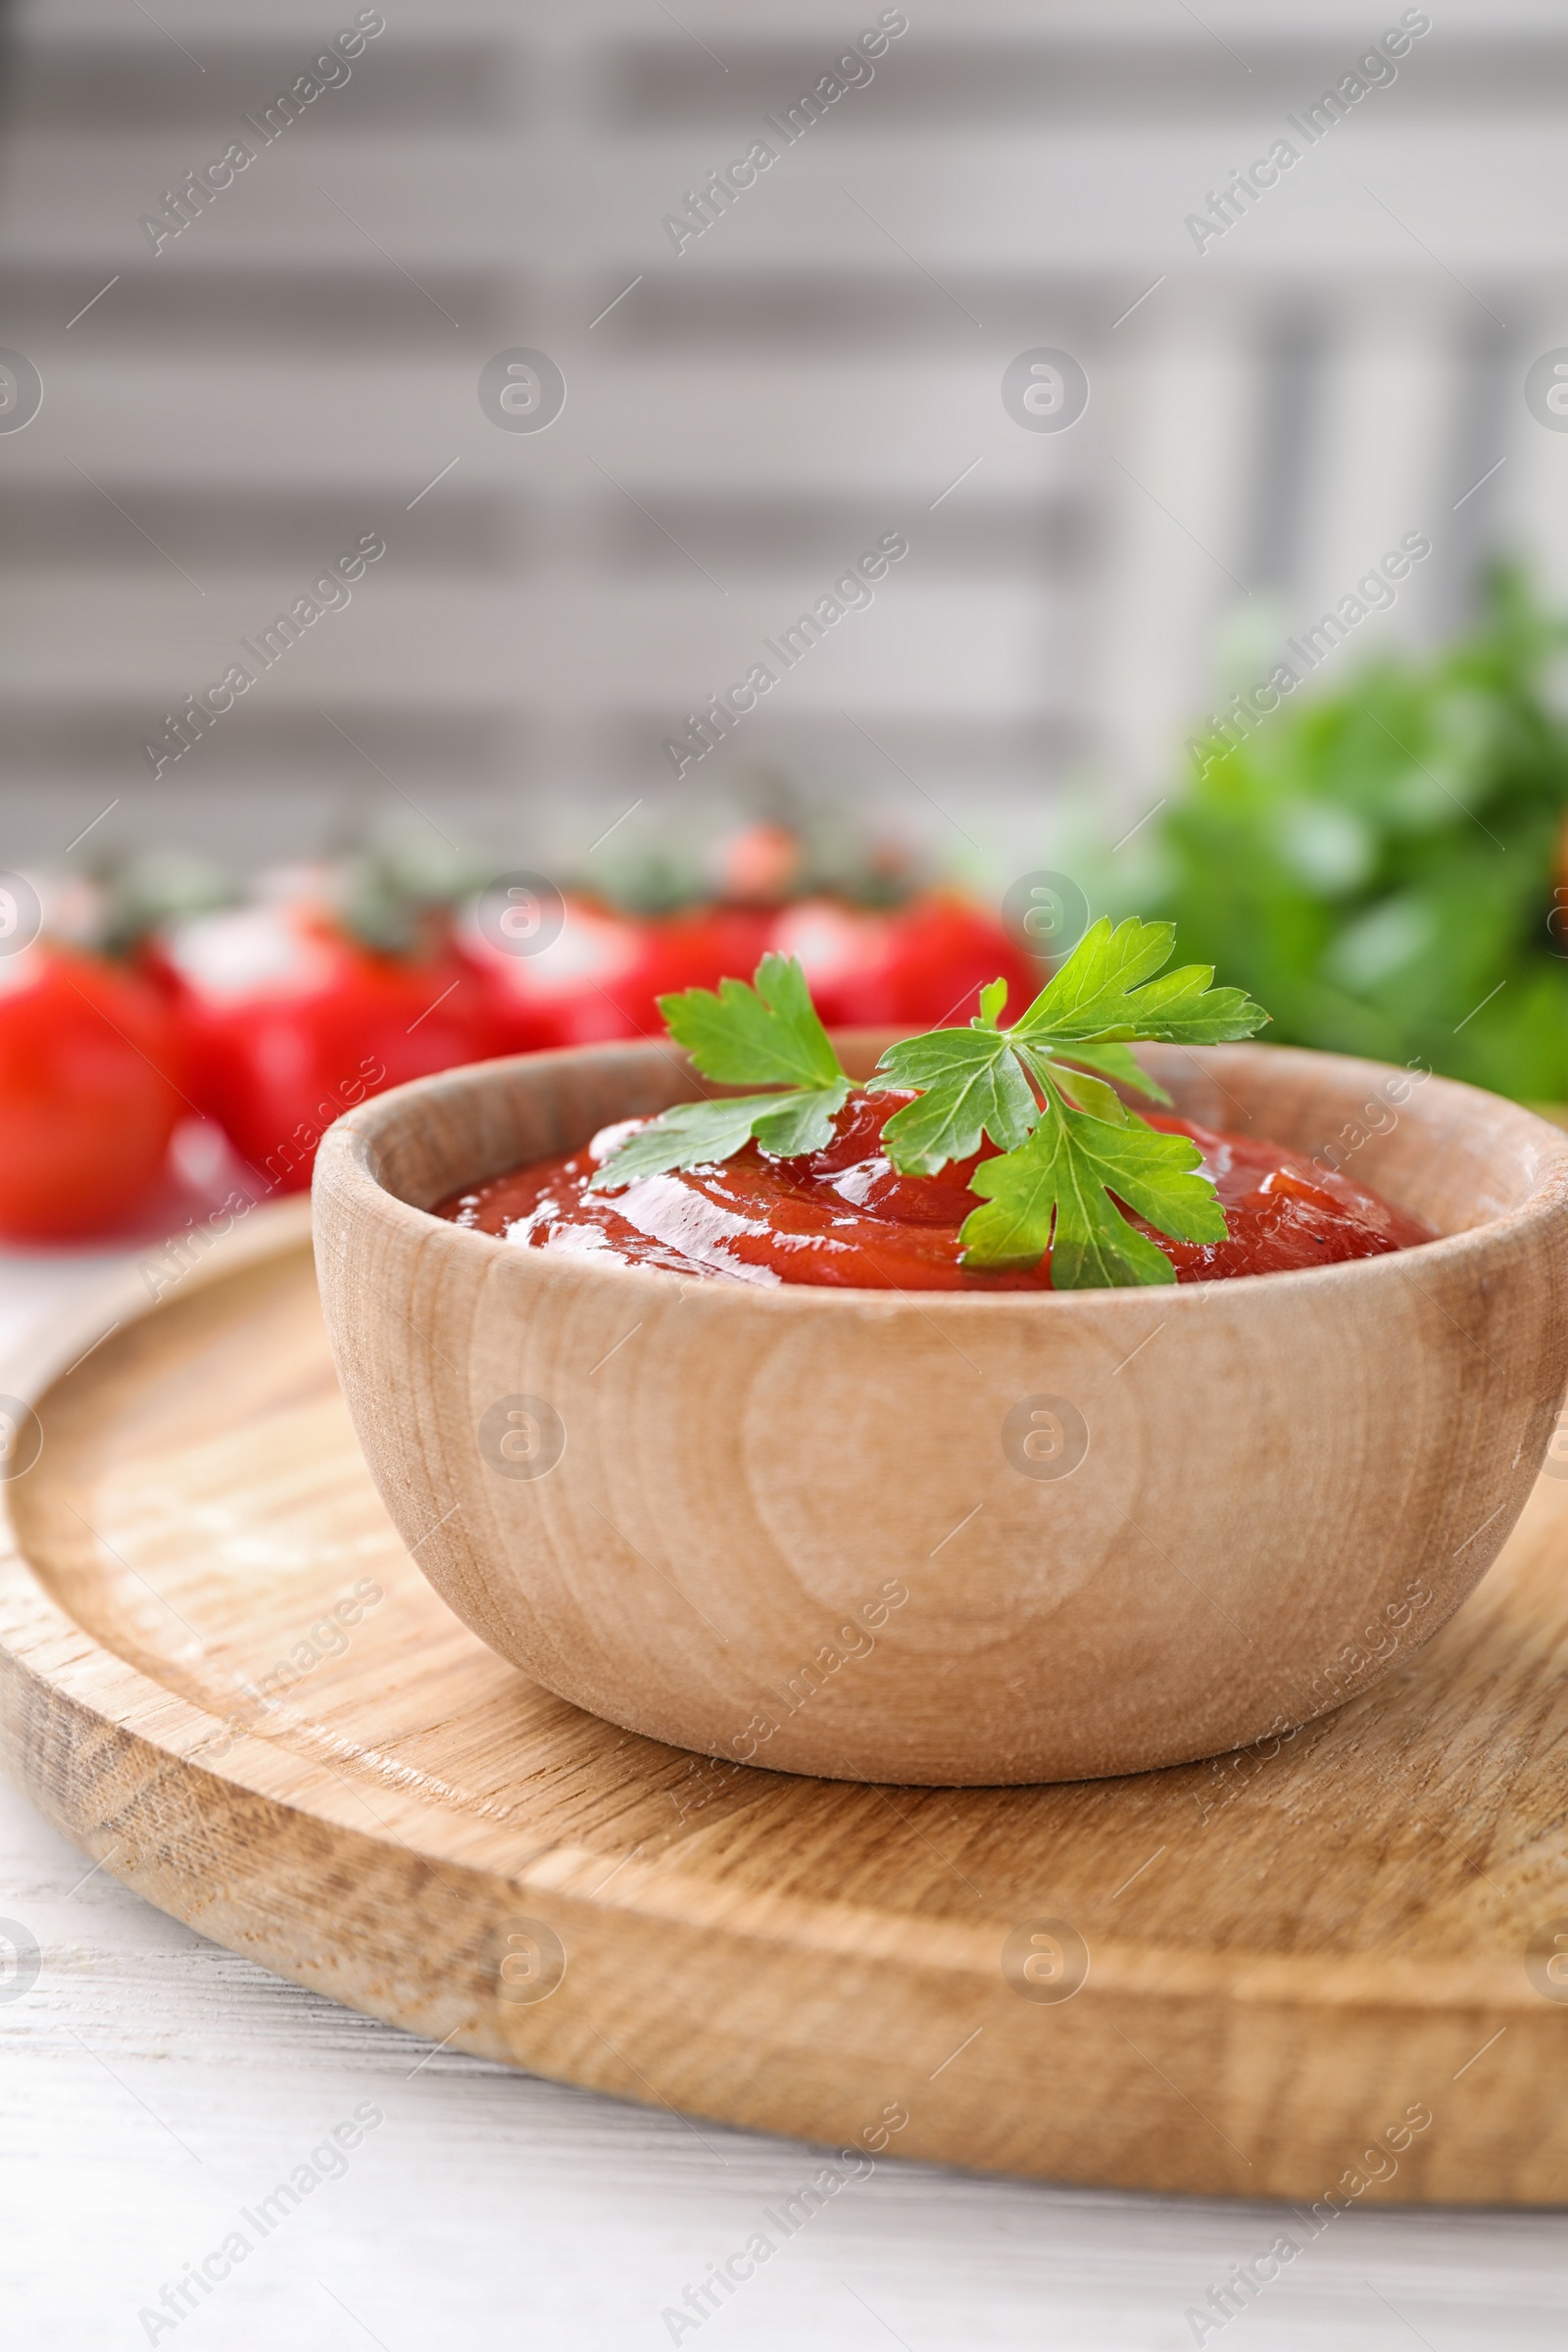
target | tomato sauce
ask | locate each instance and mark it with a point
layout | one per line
(844, 1217)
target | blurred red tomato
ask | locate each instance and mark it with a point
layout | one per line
(90, 1075)
(922, 964)
(602, 973)
(696, 951)
(556, 977)
(289, 1023)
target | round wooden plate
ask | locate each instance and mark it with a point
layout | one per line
(1333, 1967)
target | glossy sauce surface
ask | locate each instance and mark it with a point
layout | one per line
(842, 1217)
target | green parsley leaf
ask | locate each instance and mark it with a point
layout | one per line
(1067, 1044)
(799, 1122)
(1077, 1086)
(972, 1085)
(739, 1035)
(976, 1081)
(1117, 1062)
(1069, 1152)
(1097, 994)
(1065, 1173)
(768, 1035)
(992, 996)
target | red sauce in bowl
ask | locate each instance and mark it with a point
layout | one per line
(844, 1218)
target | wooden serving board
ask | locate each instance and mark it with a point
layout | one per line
(224, 1676)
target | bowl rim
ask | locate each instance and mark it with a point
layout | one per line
(344, 1157)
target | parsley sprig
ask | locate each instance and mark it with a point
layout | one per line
(768, 1035)
(1044, 1090)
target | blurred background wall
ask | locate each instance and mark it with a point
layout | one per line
(1270, 405)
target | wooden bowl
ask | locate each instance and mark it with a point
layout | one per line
(952, 1538)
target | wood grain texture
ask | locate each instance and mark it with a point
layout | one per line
(490, 2191)
(802, 1525)
(1288, 1949)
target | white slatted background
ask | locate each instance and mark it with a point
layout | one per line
(756, 411)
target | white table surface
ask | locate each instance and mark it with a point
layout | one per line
(153, 2087)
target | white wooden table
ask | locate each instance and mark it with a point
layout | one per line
(154, 2090)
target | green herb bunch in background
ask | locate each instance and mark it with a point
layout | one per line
(1384, 865)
